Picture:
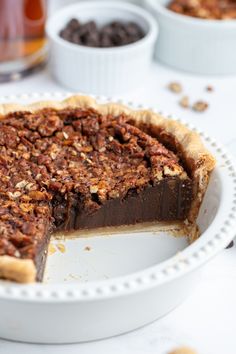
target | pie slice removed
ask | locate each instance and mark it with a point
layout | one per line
(77, 164)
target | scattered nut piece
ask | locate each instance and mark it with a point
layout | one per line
(62, 249)
(184, 102)
(51, 249)
(87, 248)
(183, 350)
(210, 88)
(175, 87)
(200, 106)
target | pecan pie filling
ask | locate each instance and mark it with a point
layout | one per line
(76, 168)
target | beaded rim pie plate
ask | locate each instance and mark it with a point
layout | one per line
(216, 237)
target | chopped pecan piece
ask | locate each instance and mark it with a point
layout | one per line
(184, 102)
(200, 106)
(175, 87)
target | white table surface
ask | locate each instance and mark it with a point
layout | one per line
(206, 320)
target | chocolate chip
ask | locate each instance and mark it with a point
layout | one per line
(65, 34)
(73, 24)
(105, 40)
(75, 38)
(113, 34)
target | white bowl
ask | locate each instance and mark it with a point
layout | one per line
(104, 286)
(195, 45)
(106, 71)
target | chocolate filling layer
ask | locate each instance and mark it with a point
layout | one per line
(169, 200)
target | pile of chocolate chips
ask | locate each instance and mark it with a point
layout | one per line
(113, 34)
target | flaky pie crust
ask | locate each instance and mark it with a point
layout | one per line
(196, 156)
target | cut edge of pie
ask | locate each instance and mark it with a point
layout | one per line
(197, 159)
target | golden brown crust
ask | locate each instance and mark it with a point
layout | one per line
(192, 148)
(20, 270)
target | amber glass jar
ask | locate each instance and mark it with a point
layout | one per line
(22, 37)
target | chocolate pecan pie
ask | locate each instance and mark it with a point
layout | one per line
(77, 164)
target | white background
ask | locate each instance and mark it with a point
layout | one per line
(206, 320)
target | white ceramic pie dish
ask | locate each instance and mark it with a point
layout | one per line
(106, 71)
(107, 285)
(196, 45)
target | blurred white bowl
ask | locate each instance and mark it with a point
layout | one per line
(105, 71)
(195, 45)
